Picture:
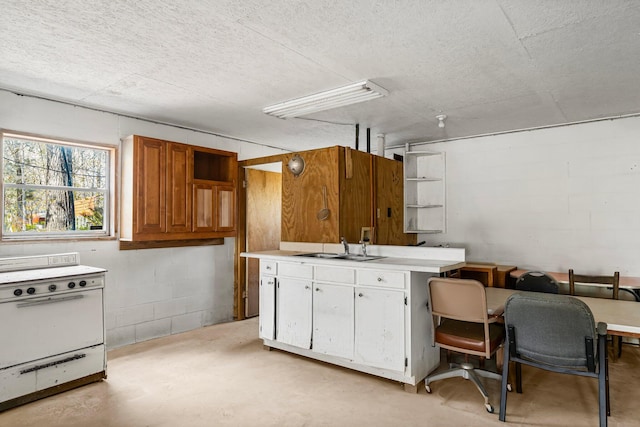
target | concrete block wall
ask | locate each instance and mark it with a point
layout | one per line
(550, 199)
(151, 292)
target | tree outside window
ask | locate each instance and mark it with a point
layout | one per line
(53, 187)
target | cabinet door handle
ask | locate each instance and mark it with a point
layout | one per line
(306, 287)
(360, 294)
(317, 289)
(268, 267)
(379, 279)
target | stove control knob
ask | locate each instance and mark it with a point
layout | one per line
(52, 288)
(17, 292)
(83, 283)
(71, 285)
(31, 291)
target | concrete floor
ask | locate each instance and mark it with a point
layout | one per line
(221, 376)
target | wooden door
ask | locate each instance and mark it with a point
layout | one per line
(333, 320)
(179, 177)
(267, 321)
(293, 310)
(263, 206)
(225, 212)
(204, 206)
(150, 175)
(379, 328)
(389, 208)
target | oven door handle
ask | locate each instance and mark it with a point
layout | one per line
(57, 362)
(48, 301)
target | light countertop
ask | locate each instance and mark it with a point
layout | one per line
(387, 262)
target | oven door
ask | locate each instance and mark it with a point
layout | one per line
(35, 328)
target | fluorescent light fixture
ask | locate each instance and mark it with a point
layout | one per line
(339, 97)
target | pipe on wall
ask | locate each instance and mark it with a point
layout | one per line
(368, 140)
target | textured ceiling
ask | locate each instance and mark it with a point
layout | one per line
(489, 65)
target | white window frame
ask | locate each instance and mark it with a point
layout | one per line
(108, 230)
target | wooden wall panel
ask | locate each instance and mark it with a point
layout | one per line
(355, 193)
(389, 215)
(302, 198)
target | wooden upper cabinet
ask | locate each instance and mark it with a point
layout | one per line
(225, 208)
(214, 207)
(150, 191)
(363, 190)
(174, 191)
(179, 181)
(203, 206)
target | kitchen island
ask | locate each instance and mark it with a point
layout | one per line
(372, 316)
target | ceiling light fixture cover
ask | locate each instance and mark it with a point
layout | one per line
(339, 97)
(441, 118)
(296, 165)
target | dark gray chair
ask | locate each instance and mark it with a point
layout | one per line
(537, 281)
(533, 281)
(556, 333)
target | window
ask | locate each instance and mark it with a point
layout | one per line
(53, 188)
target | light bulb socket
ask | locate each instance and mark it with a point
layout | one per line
(441, 118)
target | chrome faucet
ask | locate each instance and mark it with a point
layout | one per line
(364, 247)
(345, 244)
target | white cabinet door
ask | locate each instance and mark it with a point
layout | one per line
(333, 320)
(379, 328)
(267, 307)
(294, 312)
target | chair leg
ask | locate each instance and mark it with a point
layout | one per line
(606, 380)
(473, 375)
(603, 381)
(619, 347)
(518, 377)
(503, 388)
(466, 371)
(455, 371)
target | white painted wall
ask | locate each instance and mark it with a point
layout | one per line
(550, 199)
(152, 292)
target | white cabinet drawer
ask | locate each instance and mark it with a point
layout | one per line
(268, 267)
(335, 274)
(290, 269)
(384, 278)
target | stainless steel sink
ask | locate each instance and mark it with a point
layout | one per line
(349, 257)
(320, 255)
(354, 257)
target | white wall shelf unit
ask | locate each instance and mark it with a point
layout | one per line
(424, 191)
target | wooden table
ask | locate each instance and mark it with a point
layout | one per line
(622, 317)
(488, 274)
(627, 284)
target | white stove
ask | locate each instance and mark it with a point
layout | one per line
(51, 326)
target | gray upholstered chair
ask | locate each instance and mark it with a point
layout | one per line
(537, 281)
(533, 281)
(462, 324)
(556, 333)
